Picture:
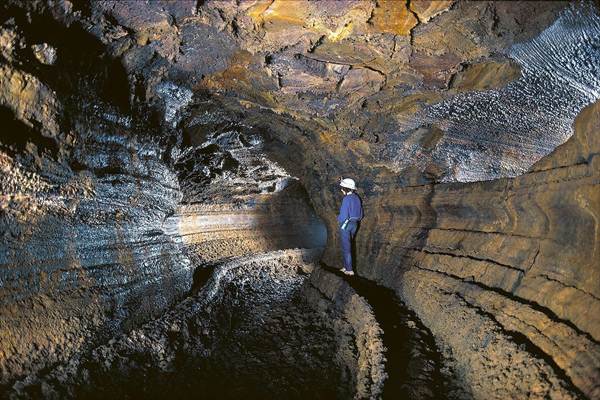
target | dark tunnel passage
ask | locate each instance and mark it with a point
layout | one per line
(170, 181)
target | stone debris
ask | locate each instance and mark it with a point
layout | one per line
(250, 330)
(45, 53)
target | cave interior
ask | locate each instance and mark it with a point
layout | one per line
(170, 183)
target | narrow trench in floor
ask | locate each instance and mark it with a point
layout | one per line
(413, 362)
(248, 330)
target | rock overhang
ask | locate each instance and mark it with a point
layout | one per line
(342, 70)
(336, 67)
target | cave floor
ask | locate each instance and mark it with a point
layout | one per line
(247, 331)
(414, 365)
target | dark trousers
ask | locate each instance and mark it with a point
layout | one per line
(347, 236)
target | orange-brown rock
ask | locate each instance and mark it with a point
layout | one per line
(144, 140)
(487, 263)
(393, 17)
(427, 9)
(487, 75)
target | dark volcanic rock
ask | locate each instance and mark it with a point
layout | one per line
(91, 229)
(249, 332)
(142, 140)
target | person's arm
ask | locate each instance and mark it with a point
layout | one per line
(362, 212)
(344, 211)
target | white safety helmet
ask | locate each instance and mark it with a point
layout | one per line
(348, 183)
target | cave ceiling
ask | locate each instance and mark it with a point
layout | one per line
(437, 90)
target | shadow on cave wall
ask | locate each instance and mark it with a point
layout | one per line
(280, 220)
(82, 67)
(296, 223)
(16, 136)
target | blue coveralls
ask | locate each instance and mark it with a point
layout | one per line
(352, 210)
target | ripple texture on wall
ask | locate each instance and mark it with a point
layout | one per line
(502, 132)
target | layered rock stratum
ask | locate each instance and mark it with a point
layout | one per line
(145, 143)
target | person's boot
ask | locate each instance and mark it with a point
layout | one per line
(343, 270)
(350, 273)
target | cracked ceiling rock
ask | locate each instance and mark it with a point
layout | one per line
(393, 16)
(485, 75)
(503, 271)
(425, 10)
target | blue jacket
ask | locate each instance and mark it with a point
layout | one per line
(351, 208)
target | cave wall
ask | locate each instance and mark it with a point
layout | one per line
(84, 254)
(507, 260)
(84, 194)
(98, 235)
(103, 180)
(211, 232)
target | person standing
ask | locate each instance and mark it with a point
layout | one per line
(351, 213)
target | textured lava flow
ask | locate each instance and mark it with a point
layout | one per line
(413, 363)
(142, 139)
(249, 332)
(502, 132)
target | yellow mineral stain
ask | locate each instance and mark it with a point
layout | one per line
(236, 74)
(392, 16)
(415, 102)
(341, 33)
(426, 10)
(486, 75)
(282, 13)
(327, 137)
(255, 12)
(290, 12)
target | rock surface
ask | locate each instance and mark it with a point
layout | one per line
(496, 265)
(143, 141)
(258, 328)
(98, 234)
(360, 348)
